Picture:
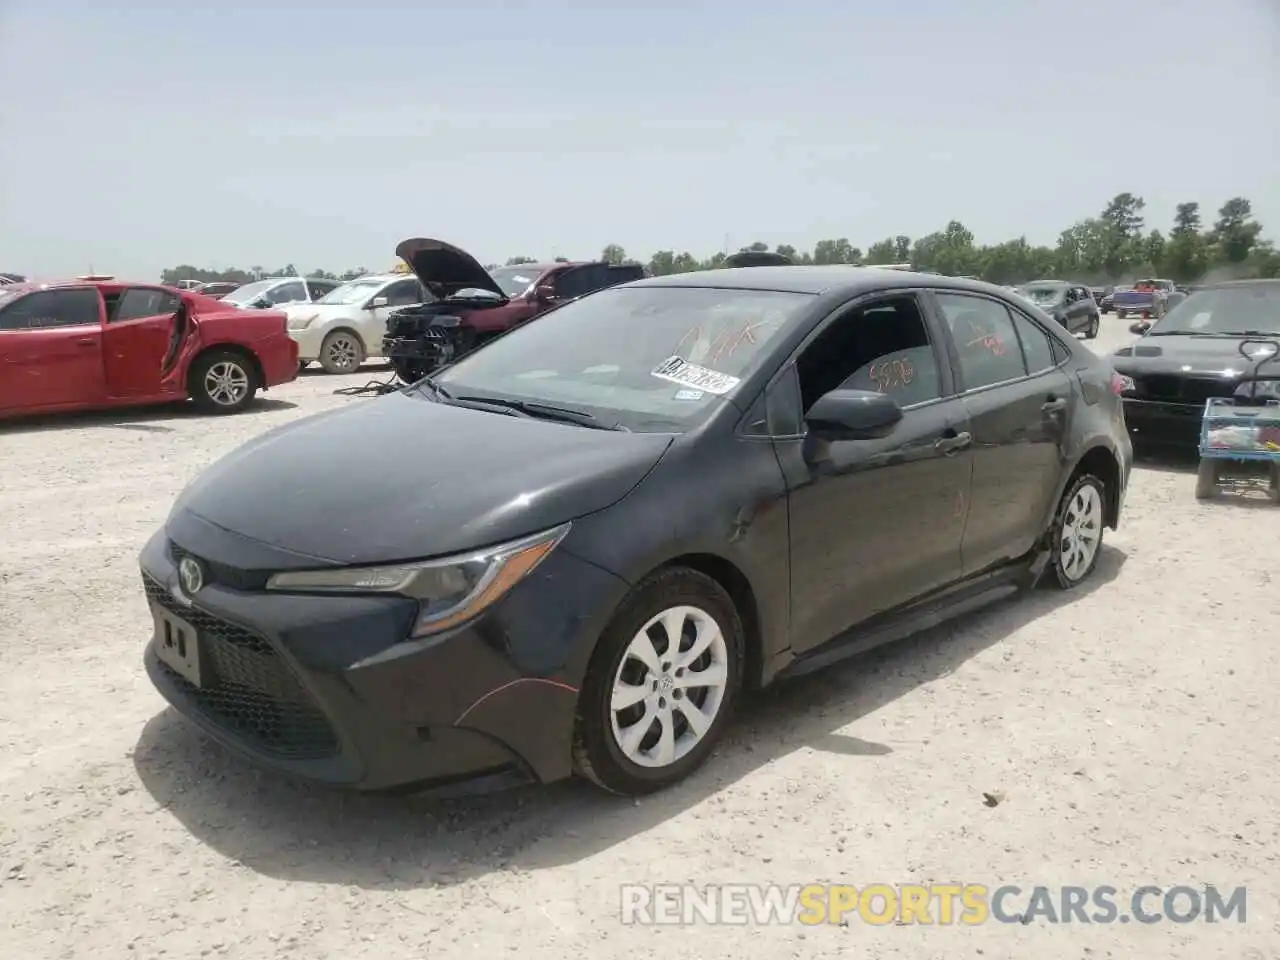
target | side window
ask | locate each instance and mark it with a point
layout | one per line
(403, 293)
(882, 346)
(287, 292)
(53, 308)
(1037, 348)
(985, 340)
(141, 302)
(576, 282)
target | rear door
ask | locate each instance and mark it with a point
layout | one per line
(51, 349)
(137, 338)
(1019, 400)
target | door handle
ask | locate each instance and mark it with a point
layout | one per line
(949, 445)
(86, 342)
(1054, 405)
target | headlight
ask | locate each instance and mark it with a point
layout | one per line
(449, 591)
(302, 322)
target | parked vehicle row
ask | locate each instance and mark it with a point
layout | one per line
(600, 529)
(99, 343)
(1151, 299)
(1069, 304)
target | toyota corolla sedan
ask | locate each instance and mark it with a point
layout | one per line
(572, 550)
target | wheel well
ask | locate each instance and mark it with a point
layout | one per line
(1102, 463)
(739, 589)
(233, 348)
(364, 347)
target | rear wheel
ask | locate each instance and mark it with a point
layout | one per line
(1094, 323)
(222, 381)
(1121, 314)
(341, 352)
(662, 684)
(1206, 479)
(1076, 537)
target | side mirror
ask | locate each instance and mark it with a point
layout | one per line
(377, 302)
(545, 293)
(262, 303)
(853, 415)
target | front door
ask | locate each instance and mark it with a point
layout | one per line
(137, 338)
(875, 523)
(1018, 398)
(373, 323)
(51, 349)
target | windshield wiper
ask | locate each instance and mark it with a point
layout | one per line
(543, 411)
(428, 384)
(1247, 333)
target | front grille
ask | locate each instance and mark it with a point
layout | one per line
(1161, 388)
(1193, 391)
(232, 577)
(1197, 391)
(247, 687)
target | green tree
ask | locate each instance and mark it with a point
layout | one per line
(1236, 233)
(613, 254)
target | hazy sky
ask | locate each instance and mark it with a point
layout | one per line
(136, 135)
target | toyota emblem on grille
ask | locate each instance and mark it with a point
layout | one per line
(191, 575)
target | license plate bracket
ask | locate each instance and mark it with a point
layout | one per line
(178, 646)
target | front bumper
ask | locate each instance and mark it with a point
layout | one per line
(1164, 422)
(328, 689)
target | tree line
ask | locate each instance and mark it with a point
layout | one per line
(1116, 245)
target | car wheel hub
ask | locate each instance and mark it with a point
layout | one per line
(1081, 532)
(669, 687)
(226, 383)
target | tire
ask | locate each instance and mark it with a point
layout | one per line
(341, 352)
(410, 371)
(1273, 488)
(303, 364)
(1207, 479)
(223, 381)
(1085, 500)
(1094, 323)
(600, 751)
(1121, 314)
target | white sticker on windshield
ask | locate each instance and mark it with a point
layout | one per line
(1200, 320)
(688, 394)
(523, 279)
(687, 374)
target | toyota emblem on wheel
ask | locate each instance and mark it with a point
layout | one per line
(191, 575)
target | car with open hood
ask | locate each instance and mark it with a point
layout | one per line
(575, 548)
(470, 305)
(347, 326)
(1191, 354)
(88, 344)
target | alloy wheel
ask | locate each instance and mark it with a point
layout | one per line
(1081, 533)
(669, 686)
(226, 383)
(343, 353)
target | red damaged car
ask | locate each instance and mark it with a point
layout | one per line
(97, 343)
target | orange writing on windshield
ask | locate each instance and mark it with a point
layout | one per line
(725, 343)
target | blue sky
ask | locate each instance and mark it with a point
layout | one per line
(138, 135)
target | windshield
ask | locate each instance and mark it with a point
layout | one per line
(249, 292)
(353, 292)
(514, 281)
(655, 359)
(1044, 295)
(1250, 309)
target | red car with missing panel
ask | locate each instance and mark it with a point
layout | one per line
(97, 343)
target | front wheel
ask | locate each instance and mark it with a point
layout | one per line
(1094, 323)
(222, 381)
(1077, 531)
(662, 684)
(341, 352)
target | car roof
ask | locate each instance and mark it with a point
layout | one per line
(815, 280)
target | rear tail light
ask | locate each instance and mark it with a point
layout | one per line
(1120, 384)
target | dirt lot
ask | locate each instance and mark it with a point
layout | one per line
(1131, 727)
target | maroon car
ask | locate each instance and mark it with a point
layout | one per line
(473, 304)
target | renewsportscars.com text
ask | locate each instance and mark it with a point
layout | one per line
(942, 904)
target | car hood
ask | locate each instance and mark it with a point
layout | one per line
(1198, 355)
(403, 477)
(445, 269)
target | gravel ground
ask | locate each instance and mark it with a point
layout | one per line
(1130, 728)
